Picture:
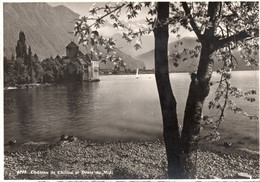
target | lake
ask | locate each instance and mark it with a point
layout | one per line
(119, 107)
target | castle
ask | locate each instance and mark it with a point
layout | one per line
(86, 67)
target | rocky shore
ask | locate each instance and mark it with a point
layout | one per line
(75, 159)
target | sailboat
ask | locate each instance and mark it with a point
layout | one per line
(137, 76)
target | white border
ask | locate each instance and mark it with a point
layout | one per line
(2, 98)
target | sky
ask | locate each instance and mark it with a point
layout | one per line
(82, 9)
(78, 7)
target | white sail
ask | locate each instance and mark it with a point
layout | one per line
(137, 75)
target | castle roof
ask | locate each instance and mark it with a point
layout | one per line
(88, 58)
(82, 61)
(80, 54)
(72, 44)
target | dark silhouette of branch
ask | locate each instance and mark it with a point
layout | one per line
(212, 11)
(192, 22)
(237, 37)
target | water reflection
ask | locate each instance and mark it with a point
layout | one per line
(80, 106)
(24, 111)
(117, 108)
(75, 95)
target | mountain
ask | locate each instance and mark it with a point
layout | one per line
(46, 29)
(131, 63)
(148, 57)
(128, 48)
(190, 64)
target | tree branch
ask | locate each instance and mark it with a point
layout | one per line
(192, 22)
(213, 7)
(237, 37)
(108, 14)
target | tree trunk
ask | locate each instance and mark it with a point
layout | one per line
(168, 103)
(198, 91)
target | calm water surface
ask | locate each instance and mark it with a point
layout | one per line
(117, 108)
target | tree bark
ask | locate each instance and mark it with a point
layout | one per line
(167, 100)
(198, 91)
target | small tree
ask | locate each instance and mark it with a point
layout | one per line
(26, 68)
(29, 57)
(21, 49)
(29, 64)
(220, 27)
(35, 57)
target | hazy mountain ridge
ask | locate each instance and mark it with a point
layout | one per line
(148, 57)
(189, 65)
(128, 48)
(46, 29)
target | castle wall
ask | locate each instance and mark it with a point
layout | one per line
(95, 69)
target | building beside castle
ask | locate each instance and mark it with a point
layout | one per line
(84, 67)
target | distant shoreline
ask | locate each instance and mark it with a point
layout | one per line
(33, 85)
(24, 86)
(152, 72)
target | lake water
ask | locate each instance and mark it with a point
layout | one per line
(116, 108)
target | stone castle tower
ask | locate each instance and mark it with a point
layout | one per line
(71, 50)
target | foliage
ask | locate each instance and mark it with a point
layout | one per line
(231, 30)
(221, 28)
(53, 71)
(87, 36)
(38, 70)
(21, 48)
(27, 68)
(20, 70)
(9, 72)
(235, 28)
